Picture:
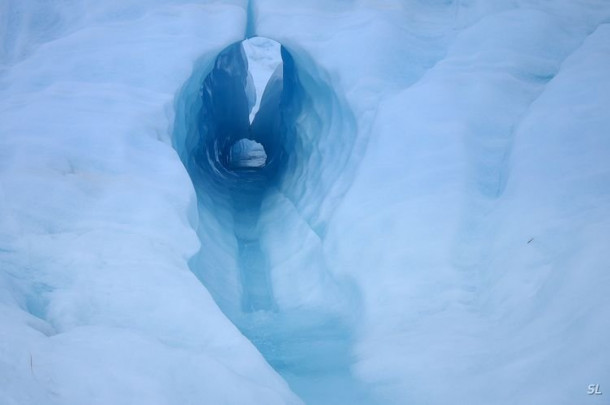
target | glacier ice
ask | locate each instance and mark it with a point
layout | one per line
(430, 225)
(212, 118)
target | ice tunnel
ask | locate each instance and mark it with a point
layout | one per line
(219, 142)
(277, 177)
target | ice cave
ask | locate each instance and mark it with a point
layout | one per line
(213, 129)
(274, 202)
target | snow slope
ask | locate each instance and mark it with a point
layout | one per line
(98, 303)
(436, 231)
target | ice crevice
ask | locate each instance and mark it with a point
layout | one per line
(264, 192)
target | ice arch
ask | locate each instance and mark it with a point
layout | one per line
(308, 134)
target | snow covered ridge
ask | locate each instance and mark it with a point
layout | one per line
(433, 227)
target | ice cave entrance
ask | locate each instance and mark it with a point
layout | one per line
(250, 125)
(247, 154)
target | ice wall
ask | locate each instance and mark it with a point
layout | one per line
(454, 295)
(459, 298)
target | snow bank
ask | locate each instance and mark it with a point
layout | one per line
(433, 228)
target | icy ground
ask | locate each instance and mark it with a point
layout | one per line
(431, 225)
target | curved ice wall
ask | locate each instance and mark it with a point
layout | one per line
(308, 135)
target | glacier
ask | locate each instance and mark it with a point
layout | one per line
(418, 213)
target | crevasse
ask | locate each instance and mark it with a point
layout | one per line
(307, 134)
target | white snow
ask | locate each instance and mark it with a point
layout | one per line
(263, 58)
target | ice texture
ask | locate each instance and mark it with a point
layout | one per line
(97, 302)
(246, 153)
(263, 56)
(431, 224)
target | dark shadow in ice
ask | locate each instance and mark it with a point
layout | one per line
(235, 165)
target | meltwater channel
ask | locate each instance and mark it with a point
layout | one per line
(250, 179)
